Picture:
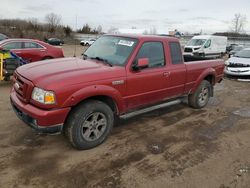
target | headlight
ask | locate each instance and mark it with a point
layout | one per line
(42, 96)
(227, 63)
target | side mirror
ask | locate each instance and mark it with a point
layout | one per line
(141, 63)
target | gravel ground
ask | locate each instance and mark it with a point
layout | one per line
(171, 147)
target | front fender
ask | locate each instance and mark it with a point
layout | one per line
(96, 90)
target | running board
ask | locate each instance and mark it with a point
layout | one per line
(149, 109)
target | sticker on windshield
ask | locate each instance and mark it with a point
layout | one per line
(126, 43)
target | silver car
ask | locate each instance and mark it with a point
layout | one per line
(235, 50)
(239, 64)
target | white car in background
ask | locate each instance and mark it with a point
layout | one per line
(239, 64)
(206, 46)
(87, 42)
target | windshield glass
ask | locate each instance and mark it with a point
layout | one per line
(243, 54)
(2, 37)
(196, 42)
(237, 48)
(113, 49)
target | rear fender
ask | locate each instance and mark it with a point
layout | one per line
(96, 90)
(202, 76)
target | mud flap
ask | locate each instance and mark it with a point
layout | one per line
(211, 91)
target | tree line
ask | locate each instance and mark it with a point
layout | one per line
(32, 28)
(53, 27)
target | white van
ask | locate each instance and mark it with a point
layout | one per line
(206, 46)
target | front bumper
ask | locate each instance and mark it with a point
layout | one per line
(46, 121)
(241, 71)
(188, 54)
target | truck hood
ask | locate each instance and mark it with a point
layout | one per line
(68, 71)
(239, 60)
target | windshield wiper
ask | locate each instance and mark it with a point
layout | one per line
(103, 60)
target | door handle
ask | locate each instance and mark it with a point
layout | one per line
(166, 74)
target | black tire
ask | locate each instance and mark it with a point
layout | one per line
(200, 97)
(7, 78)
(82, 122)
(87, 44)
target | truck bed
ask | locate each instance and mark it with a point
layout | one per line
(196, 70)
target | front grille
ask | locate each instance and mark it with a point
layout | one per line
(238, 65)
(19, 87)
(22, 87)
(188, 50)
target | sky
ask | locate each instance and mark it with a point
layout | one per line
(165, 15)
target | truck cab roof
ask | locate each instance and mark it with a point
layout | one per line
(145, 37)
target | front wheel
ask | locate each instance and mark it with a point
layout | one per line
(200, 97)
(89, 124)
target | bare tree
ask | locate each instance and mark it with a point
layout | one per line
(53, 21)
(67, 30)
(153, 31)
(113, 30)
(86, 29)
(99, 29)
(145, 32)
(238, 23)
(34, 25)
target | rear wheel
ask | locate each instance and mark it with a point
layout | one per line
(89, 124)
(200, 97)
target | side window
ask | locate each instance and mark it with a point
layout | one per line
(12, 45)
(208, 44)
(154, 52)
(175, 51)
(31, 45)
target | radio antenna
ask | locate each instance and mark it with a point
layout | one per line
(75, 38)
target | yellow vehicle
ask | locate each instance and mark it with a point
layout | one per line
(4, 54)
(8, 64)
(1, 67)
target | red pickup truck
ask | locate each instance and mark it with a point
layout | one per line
(117, 75)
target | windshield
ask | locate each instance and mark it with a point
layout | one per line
(2, 37)
(237, 48)
(196, 42)
(113, 49)
(243, 54)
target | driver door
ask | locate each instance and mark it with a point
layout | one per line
(146, 86)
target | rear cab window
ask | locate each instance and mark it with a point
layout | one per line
(175, 52)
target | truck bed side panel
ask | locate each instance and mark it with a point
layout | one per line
(198, 70)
